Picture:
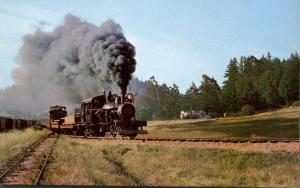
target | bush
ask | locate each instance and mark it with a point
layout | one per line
(295, 103)
(233, 114)
(214, 114)
(247, 110)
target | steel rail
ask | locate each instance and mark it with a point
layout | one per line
(28, 151)
(226, 140)
(41, 172)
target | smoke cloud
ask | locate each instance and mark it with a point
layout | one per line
(76, 60)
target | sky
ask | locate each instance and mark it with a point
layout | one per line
(176, 40)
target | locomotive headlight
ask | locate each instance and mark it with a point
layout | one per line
(129, 97)
(126, 110)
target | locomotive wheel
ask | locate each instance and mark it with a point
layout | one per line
(132, 136)
(86, 133)
(102, 132)
(113, 129)
(75, 131)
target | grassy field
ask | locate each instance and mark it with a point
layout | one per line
(86, 162)
(93, 162)
(13, 142)
(280, 123)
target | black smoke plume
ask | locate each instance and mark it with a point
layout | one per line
(74, 61)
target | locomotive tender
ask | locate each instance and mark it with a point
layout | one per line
(107, 112)
(59, 121)
(56, 115)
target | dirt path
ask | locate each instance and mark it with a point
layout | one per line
(246, 147)
(29, 168)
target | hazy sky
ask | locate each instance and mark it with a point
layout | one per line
(176, 40)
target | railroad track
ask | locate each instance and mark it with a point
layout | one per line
(42, 170)
(225, 140)
(16, 162)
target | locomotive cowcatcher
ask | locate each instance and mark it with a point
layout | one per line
(107, 112)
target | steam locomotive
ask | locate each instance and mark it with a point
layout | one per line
(107, 112)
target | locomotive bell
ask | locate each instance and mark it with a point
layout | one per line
(126, 110)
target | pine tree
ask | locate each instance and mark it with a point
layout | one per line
(269, 83)
(230, 96)
(211, 96)
(192, 100)
(289, 84)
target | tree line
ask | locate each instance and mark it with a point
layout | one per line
(251, 84)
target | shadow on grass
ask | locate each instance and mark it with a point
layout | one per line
(279, 127)
(118, 165)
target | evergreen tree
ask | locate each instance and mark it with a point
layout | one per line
(289, 84)
(262, 83)
(211, 96)
(269, 83)
(192, 100)
(230, 95)
(248, 85)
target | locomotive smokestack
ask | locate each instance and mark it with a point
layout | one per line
(123, 93)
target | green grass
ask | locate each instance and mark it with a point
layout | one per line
(101, 163)
(282, 123)
(13, 142)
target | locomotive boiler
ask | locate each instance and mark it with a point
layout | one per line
(107, 113)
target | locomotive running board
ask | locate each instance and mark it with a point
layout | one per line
(138, 123)
(134, 123)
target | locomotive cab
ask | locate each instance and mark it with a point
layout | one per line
(86, 120)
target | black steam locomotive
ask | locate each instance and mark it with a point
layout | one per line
(107, 112)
